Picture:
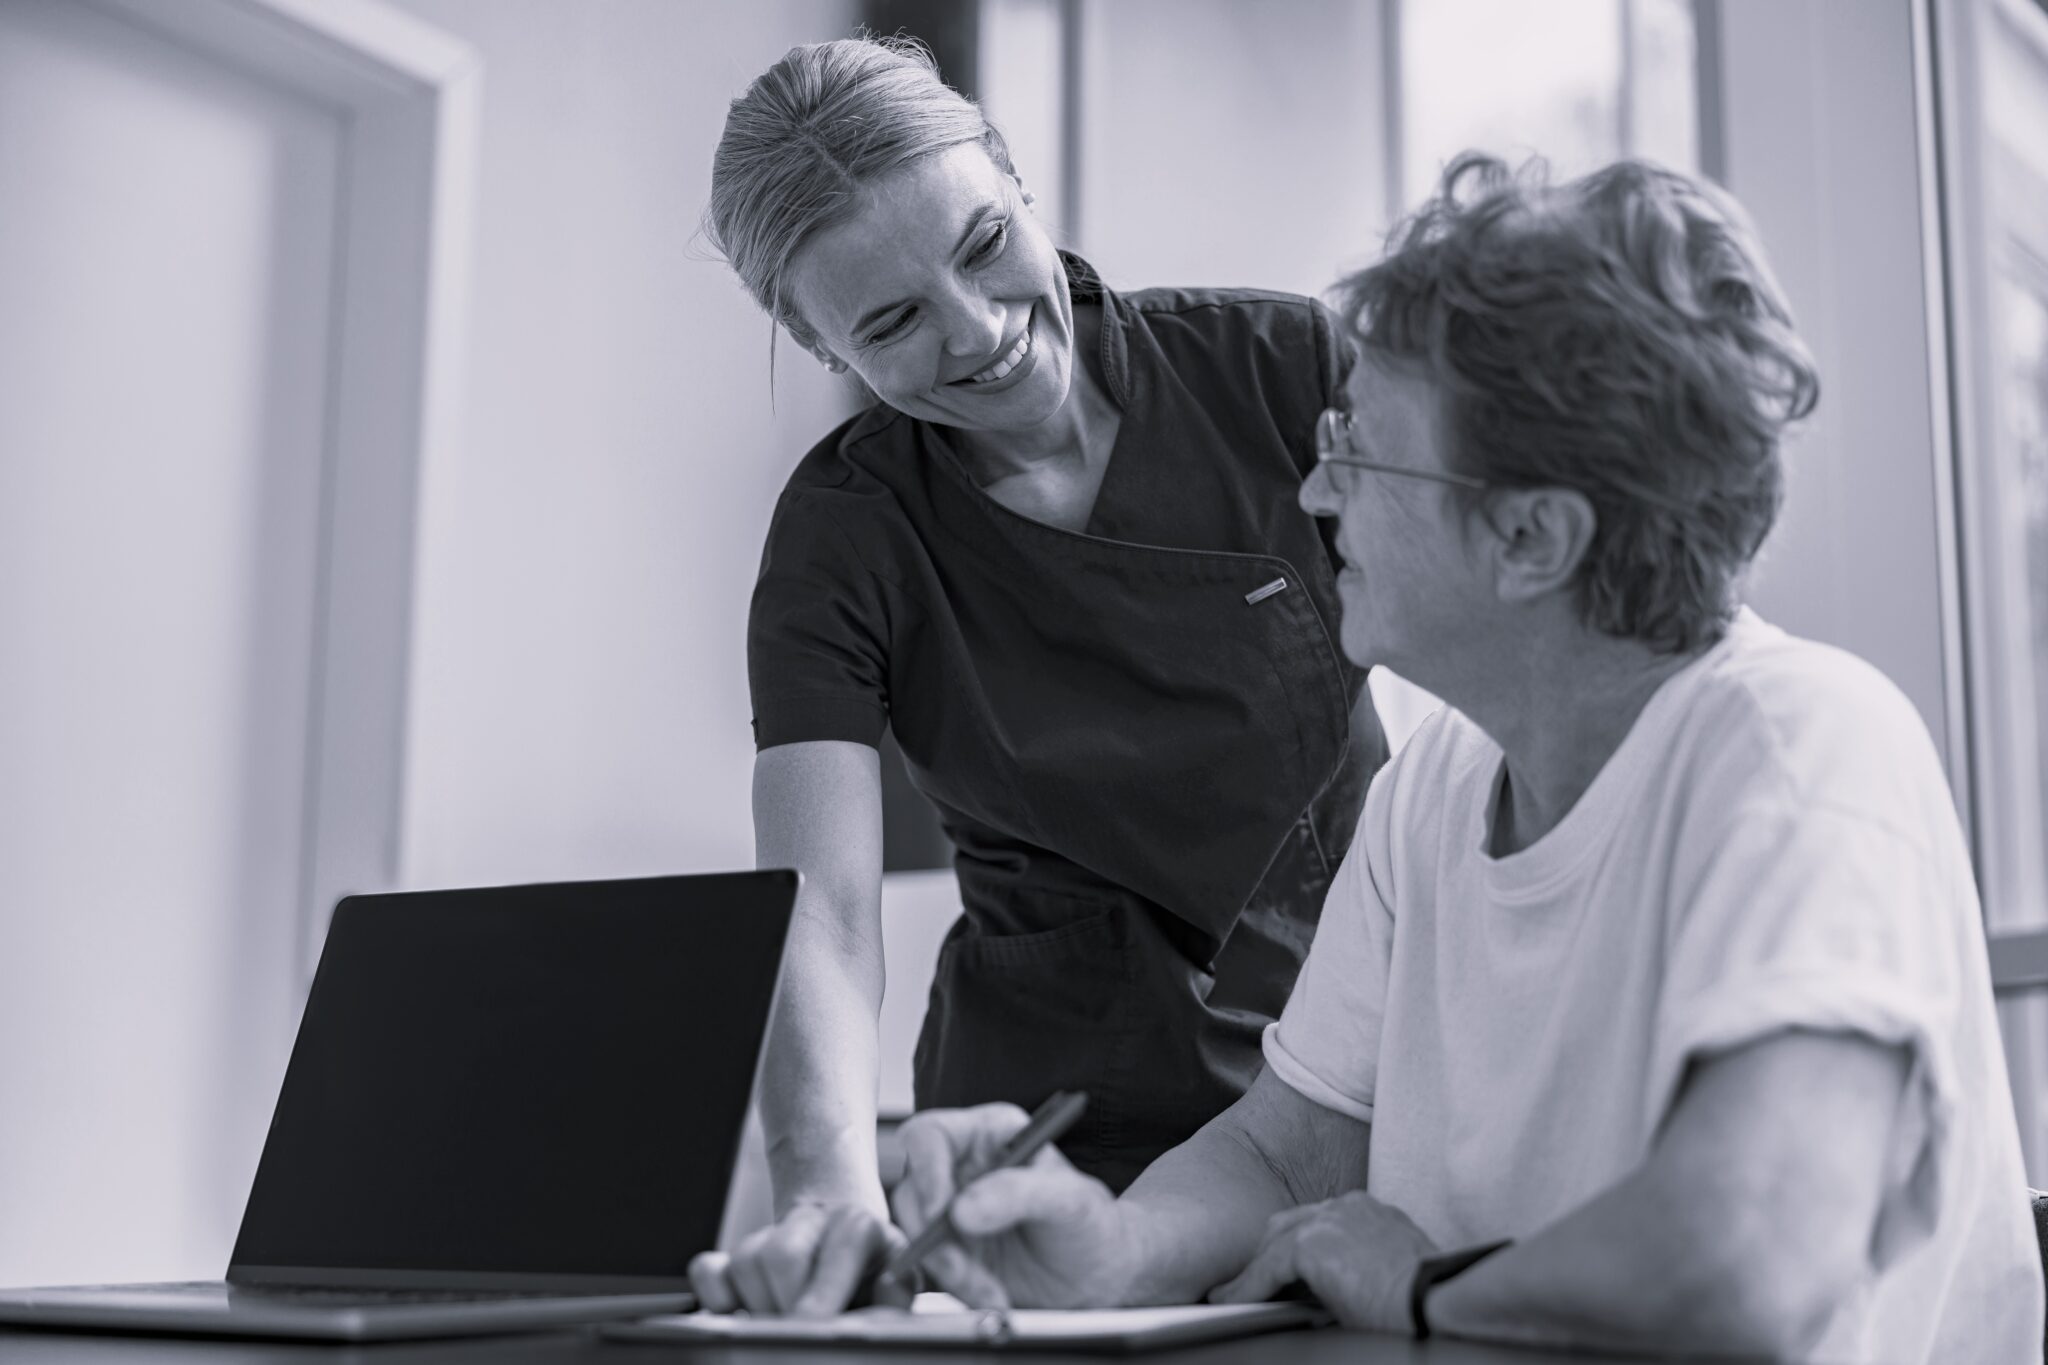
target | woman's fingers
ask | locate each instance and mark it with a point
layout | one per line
(938, 1145)
(890, 1292)
(928, 1162)
(790, 1250)
(1288, 1219)
(710, 1283)
(1270, 1271)
(906, 1204)
(1000, 1200)
(965, 1278)
(770, 1268)
(750, 1286)
(946, 1159)
(853, 1240)
(1278, 1261)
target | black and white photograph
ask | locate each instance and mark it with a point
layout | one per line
(1255, 682)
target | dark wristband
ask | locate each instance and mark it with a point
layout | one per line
(1434, 1270)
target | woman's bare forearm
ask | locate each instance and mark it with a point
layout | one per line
(1627, 1272)
(1741, 1233)
(1194, 1218)
(817, 1089)
(1196, 1215)
(818, 808)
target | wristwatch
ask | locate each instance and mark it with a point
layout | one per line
(1434, 1270)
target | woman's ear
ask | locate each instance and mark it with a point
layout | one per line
(823, 355)
(1544, 534)
(1023, 190)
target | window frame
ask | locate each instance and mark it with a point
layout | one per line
(2006, 791)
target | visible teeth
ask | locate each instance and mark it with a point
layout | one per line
(1007, 363)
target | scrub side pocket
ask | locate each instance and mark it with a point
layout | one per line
(1015, 1017)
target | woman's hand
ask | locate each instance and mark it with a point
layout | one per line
(811, 1263)
(1357, 1254)
(1038, 1235)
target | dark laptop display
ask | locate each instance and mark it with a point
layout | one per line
(542, 1081)
(514, 1107)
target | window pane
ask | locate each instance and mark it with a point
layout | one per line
(1577, 82)
(2000, 247)
(2005, 230)
(2021, 440)
(2023, 1019)
(1661, 82)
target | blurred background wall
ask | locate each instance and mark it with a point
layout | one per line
(580, 701)
(584, 525)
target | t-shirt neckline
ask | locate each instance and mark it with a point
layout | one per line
(1533, 872)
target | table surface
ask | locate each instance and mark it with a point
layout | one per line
(1325, 1347)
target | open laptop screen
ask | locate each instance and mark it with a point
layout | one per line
(536, 1081)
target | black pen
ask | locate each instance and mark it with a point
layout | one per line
(1053, 1119)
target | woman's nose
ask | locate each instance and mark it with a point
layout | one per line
(1318, 494)
(974, 328)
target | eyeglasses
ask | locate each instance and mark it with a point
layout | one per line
(1334, 446)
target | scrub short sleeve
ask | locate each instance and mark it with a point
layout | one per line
(1326, 1043)
(1829, 921)
(817, 662)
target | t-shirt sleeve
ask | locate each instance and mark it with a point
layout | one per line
(817, 665)
(1830, 921)
(1326, 1043)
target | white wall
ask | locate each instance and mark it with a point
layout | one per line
(580, 703)
(1231, 144)
(165, 277)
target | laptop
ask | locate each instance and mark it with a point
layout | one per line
(507, 1108)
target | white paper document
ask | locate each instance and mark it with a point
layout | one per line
(941, 1320)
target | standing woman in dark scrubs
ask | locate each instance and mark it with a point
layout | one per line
(1062, 557)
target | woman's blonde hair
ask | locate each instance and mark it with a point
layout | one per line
(807, 137)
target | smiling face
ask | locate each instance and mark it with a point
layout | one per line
(1409, 586)
(945, 295)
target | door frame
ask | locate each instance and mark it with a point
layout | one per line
(408, 97)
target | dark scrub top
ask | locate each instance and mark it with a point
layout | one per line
(1138, 737)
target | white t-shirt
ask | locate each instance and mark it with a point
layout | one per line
(1771, 847)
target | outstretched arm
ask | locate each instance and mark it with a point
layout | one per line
(817, 808)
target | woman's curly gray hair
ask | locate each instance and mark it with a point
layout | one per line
(1619, 335)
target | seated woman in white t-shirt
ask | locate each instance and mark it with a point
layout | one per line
(1657, 958)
